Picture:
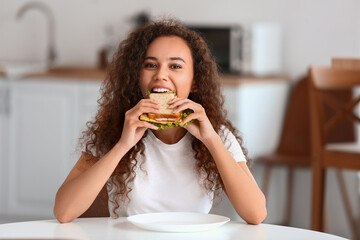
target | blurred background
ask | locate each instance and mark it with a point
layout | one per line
(53, 56)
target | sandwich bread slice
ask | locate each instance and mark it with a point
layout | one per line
(165, 118)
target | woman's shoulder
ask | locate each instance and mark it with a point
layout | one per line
(231, 143)
(225, 133)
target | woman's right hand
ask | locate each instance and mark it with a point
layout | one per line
(134, 128)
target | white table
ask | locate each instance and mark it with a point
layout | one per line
(108, 228)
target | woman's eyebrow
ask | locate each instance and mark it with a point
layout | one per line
(151, 58)
(177, 58)
(171, 58)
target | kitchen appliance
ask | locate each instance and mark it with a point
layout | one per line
(262, 49)
(225, 44)
(254, 50)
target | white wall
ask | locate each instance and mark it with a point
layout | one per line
(314, 31)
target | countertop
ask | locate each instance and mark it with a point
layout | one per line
(71, 73)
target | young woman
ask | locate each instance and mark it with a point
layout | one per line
(150, 170)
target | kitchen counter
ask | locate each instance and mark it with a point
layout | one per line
(235, 80)
(91, 73)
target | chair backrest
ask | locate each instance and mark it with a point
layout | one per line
(346, 63)
(324, 81)
(295, 136)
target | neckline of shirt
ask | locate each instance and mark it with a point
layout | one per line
(181, 142)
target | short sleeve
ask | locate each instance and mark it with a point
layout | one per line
(232, 145)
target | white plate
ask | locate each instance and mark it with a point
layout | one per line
(178, 221)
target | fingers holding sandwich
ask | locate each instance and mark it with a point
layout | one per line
(144, 106)
(181, 104)
(133, 128)
(201, 127)
(198, 111)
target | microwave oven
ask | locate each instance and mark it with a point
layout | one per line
(254, 50)
(225, 43)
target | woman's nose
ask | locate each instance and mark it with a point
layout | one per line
(162, 73)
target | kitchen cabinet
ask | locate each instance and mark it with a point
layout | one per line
(44, 122)
(256, 108)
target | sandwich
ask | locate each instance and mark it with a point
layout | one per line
(165, 118)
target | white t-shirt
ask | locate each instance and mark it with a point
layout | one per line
(166, 178)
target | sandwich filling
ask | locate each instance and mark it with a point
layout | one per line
(165, 118)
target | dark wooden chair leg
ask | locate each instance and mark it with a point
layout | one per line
(317, 211)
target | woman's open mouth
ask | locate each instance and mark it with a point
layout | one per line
(160, 90)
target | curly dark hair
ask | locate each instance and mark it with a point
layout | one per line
(121, 91)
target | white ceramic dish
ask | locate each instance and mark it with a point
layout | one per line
(178, 221)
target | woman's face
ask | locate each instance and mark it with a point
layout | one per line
(168, 65)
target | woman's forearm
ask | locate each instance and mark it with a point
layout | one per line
(78, 192)
(241, 188)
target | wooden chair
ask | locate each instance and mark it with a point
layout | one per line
(323, 82)
(346, 63)
(293, 150)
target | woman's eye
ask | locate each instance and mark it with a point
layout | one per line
(150, 65)
(176, 66)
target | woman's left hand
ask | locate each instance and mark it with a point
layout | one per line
(201, 128)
